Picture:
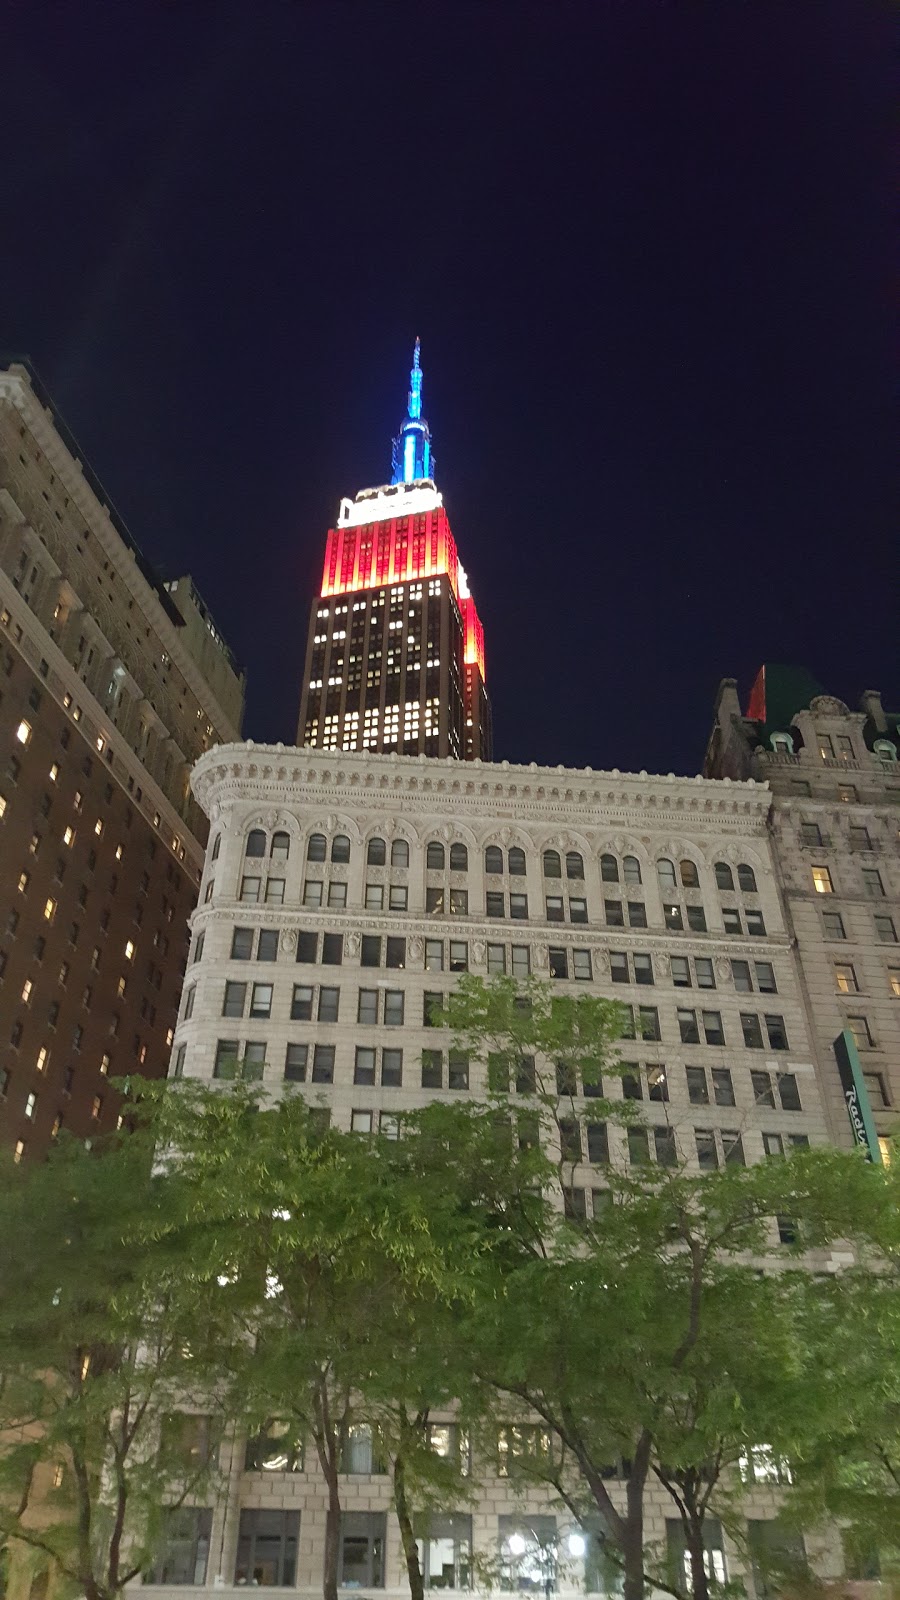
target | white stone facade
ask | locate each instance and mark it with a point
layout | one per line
(664, 835)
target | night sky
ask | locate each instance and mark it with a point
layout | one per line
(647, 247)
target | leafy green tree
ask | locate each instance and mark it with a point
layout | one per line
(106, 1329)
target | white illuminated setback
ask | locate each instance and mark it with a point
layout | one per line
(391, 500)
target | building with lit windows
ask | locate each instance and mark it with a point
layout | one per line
(111, 685)
(395, 654)
(834, 776)
(343, 892)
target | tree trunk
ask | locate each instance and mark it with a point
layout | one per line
(332, 1535)
(407, 1535)
(633, 1531)
(693, 1530)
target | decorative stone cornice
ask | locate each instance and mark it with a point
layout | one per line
(485, 793)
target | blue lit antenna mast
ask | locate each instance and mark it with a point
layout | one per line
(411, 456)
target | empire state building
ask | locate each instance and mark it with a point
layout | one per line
(395, 654)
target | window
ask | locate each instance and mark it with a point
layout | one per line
(761, 1084)
(755, 925)
(643, 969)
(267, 1548)
(581, 965)
(307, 947)
(615, 916)
(657, 1084)
(432, 1069)
(233, 1003)
(367, 1006)
(777, 1033)
(609, 869)
(618, 963)
(302, 1003)
(574, 864)
(393, 1008)
(877, 1086)
(516, 861)
(773, 1144)
(458, 1070)
(493, 859)
(826, 746)
(707, 1151)
(698, 1092)
(713, 1032)
(340, 849)
(810, 833)
(337, 896)
(724, 876)
(696, 917)
(872, 883)
(847, 793)
(821, 878)
(681, 972)
(528, 1553)
(746, 879)
(397, 897)
(859, 838)
(638, 1146)
(520, 960)
(554, 905)
(552, 864)
(631, 869)
(496, 957)
(703, 967)
(687, 1026)
(362, 1549)
(765, 977)
(788, 1092)
(376, 853)
(256, 843)
(323, 1063)
(577, 909)
(392, 1068)
(884, 929)
(295, 1060)
(559, 963)
(518, 907)
(833, 925)
(862, 1033)
(374, 897)
(274, 1449)
(329, 1003)
(184, 1546)
(731, 920)
(459, 902)
(459, 858)
(894, 980)
(332, 949)
(723, 1088)
(399, 853)
(435, 857)
(713, 1550)
(845, 980)
(275, 891)
(690, 877)
(280, 847)
(432, 1008)
(241, 944)
(637, 914)
(226, 1058)
(665, 872)
(751, 1029)
(444, 1545)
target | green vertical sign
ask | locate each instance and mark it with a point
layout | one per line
(856, 1095)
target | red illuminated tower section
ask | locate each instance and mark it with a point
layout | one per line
(395, 655)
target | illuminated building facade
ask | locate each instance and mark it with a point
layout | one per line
(395, 655)
(113, 683)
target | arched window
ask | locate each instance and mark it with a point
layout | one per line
(516, 861)
(574, 864)
(783, 742)
(315, 849)
(459, 858)
(256, 843)
(690, 877)
(399, 853)
(435, 857)
(665, 871)
(281, 846)
(493, 858)
(724, 878)
(217, 845)
(552, 864)
(340, 849)
(631, 869)
(746, 878)
(884, 750)
(609, 869)
(376, 854)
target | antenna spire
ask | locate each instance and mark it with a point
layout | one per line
(411, 457)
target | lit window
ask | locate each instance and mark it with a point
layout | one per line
(129, 950)
(49, 910)
(822, 883)
(54, 772)
(31, 1107)
(23, 732)
(26, 991)
(41, 1062)
(98, 826)
(24, 881)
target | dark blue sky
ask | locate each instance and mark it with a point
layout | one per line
(647, 247)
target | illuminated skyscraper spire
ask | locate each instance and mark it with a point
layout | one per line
(411, 452)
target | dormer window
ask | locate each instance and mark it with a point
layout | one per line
(782, 744)
(884, 750)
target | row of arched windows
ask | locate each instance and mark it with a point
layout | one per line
(436, 857)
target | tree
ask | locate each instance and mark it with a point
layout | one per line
(105, 1330)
